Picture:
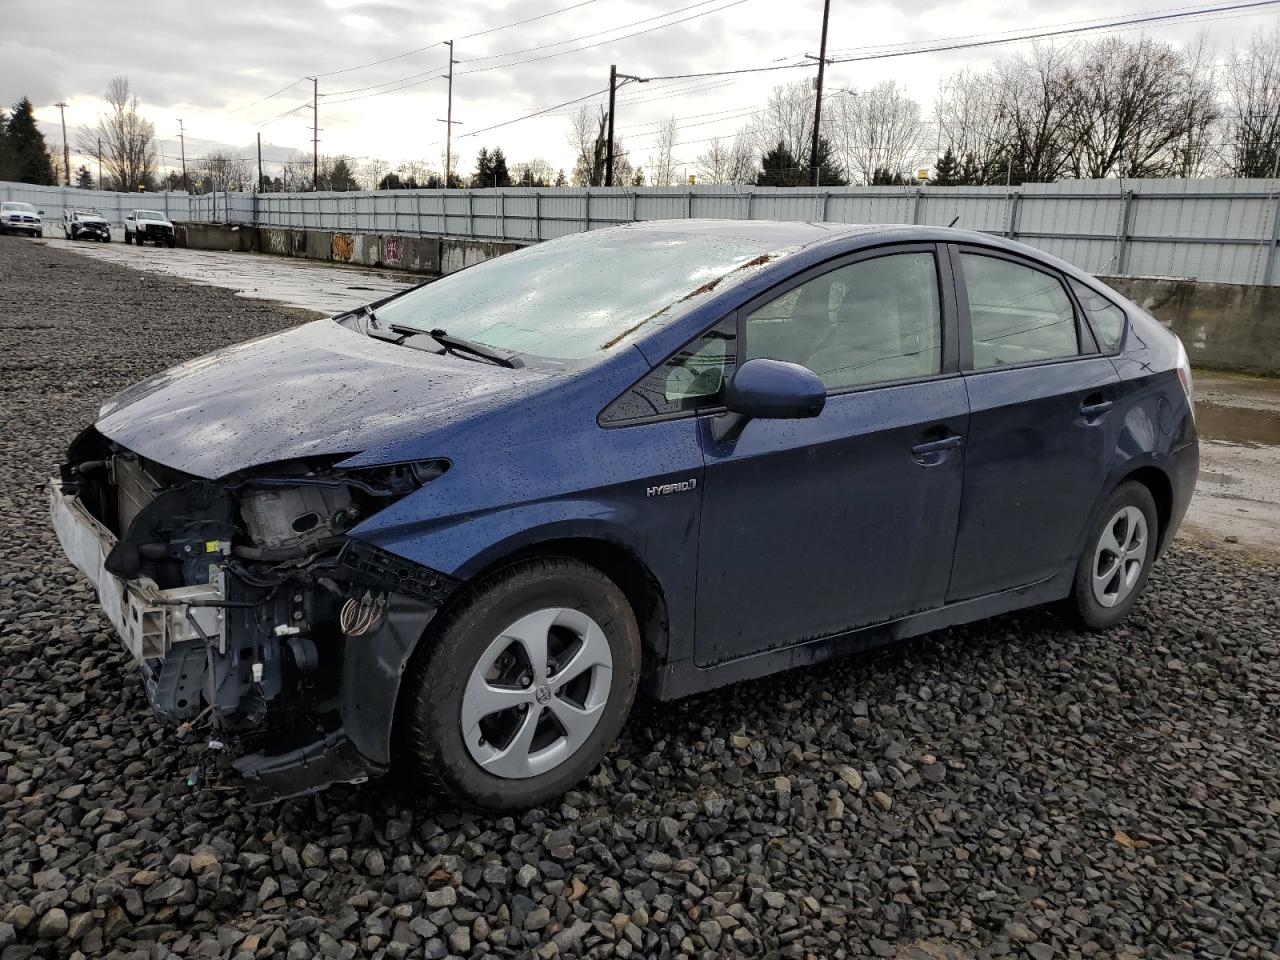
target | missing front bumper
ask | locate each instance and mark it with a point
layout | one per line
(149, 620)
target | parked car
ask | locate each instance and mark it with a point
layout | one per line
(459, 529)
(18, 217)
(143, 225)
(85, 225)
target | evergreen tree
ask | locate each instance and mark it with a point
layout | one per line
(391, 181)
(884, 177)
(830, 173)
(500, 176)
(561, 180)
(31, 156)
(483, 177)
(84, 179)
(779, 169)
(946, 172)
(8, 165)
(637, 178)
(969, 173)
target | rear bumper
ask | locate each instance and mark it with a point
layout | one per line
(1184, 470)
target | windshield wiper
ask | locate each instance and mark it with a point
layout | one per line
(462, 345)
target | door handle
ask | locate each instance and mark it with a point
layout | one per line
(937, 446)
(1092, 410)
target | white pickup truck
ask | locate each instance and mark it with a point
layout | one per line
(143, 225)
(20, 218)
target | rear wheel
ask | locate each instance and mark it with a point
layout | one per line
(128, 238)
(524, 686)
(1113, 569)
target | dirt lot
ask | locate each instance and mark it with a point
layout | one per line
(1009, 788)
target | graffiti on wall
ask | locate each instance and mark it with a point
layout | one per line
(278, 240)
(344, 246)
(391, 251)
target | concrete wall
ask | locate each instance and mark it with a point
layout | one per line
(1226, 326)
(433, 256)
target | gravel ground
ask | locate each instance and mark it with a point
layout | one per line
(1011, 788)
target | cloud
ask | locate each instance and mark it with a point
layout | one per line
(209, 66)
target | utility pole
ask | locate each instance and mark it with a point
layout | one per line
(66, 150)
(315, 133)
(182, 139)
(100, 186)
(608, 157)
(448, 121)
(814, 168)
(259, 190)
(614, 77)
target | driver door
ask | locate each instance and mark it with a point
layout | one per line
(811, 528)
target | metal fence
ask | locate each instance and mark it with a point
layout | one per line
(1219, 230)
(112, 204)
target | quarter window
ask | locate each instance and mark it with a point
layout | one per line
(1018, 314)
(868, 322)
(693, 377)
(1105, 317)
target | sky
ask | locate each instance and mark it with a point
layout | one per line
(216, 66)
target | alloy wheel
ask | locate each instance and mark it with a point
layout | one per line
(1119, 557)
(536, 693)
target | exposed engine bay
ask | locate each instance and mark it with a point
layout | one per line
(247, 604)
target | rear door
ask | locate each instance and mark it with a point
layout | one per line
(814, 527)
(1041, 424)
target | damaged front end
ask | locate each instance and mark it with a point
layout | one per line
(248, 604)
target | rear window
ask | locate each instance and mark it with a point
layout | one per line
(1105, 317)
(1019, 314)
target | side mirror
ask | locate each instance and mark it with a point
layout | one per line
(766, 389)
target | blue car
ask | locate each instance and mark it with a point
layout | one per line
(455, 532)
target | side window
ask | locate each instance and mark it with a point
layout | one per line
(689, 379)
(1105, 317)
(868, 322)
(1019, 314)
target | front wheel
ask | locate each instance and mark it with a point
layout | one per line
(524, 686)
(128, 238)
(1117, 558)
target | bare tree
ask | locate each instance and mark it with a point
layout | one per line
(588, 136)
(786, 118)
(128, 148)
(878, 132)
(968, 121)
(1253, 93)
(221, 170)
(372, 172)
(662, 164)
(1132, 106)
(1033, 96)
(728, 162)
(534, 173)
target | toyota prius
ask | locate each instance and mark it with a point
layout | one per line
(453, 534)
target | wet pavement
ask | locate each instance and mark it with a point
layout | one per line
(326, 288)
(1237, 500)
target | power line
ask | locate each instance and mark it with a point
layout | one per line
(267, 97)
(417, 79)
(601, 43)
(588, 36)
(536, 113)
(946, 46)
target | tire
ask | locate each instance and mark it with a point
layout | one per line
(489, 765)
(171, 243)
(128, 237)
(1121, 548)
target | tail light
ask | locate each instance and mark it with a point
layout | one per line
(1184, 377)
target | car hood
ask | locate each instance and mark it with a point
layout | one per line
(160, 223)
(90, 221)
(318, 389)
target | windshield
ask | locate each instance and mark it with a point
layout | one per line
(18, 207)
(573, 297)
(150, 215)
